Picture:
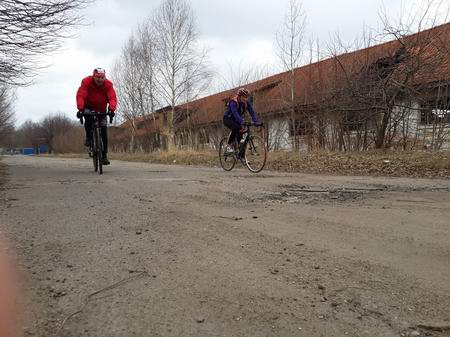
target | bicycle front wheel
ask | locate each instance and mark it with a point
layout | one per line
(99, 151)
(227, 160)
(94, 151)
(256, 154)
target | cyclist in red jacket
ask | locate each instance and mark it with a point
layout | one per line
(95, 93)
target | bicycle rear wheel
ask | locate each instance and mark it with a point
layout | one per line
(256, 154)
(227, 160)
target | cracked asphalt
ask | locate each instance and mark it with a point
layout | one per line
(154, 250)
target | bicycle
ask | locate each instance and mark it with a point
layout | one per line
(252, 151)
(96, 146)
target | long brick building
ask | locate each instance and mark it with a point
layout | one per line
(394, 94)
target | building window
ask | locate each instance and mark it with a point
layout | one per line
(439, 114)
(353, 121)
(301, 127)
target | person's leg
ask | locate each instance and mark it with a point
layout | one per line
(234, 127)
(88, 129)
(104, 134)
(235, 134)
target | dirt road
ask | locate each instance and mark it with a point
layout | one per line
(152, 250)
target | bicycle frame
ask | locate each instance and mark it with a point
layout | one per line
(241, 152)
(243, 145)
(96, 147)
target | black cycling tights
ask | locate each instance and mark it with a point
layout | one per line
(235, 128)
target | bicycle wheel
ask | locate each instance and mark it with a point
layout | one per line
(99, 151)
(227, 161)
(94, 159)
(94, 151)
(256, 154)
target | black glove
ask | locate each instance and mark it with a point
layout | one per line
(79, 114)
(111, 116)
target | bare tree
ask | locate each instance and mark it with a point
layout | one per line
(57, 131)
(374, 97)
(69, 141)
(149, 64)
(348, 101)
(29, 134)
(29, 29)
(243, 74)
(6, 110)
(53, 125)
(182, 59)
(130, 86)
(290, 49)
(134, 75)
(399, 87)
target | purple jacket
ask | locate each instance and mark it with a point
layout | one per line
(235, 110)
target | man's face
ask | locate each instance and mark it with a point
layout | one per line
(99, 80)
(244, 98)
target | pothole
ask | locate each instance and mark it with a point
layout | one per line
(313, 194)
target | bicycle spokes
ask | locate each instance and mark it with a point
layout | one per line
(253, 149)
(227, 159)
(256, 154)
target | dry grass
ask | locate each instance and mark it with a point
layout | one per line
(373, 163)
(186, 157)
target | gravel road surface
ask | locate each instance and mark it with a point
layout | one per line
(154, 250)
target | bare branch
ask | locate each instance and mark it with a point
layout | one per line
(30, 29)
(183, 73)
(7, 98)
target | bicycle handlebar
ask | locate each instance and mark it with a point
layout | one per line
(253, 124)
(97, 114)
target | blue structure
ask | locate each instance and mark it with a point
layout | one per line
(28, 151)
(43, 148)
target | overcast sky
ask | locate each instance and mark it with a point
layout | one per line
(236, 31)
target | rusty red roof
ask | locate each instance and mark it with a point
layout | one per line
(312, 81)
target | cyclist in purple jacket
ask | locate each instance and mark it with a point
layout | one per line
(234, 116)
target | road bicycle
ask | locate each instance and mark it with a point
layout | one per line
(251, 151)
(96, 149)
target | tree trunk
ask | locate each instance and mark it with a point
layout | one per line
(170, 130)
(381, 132)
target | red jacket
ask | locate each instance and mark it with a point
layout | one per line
(90, 96)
